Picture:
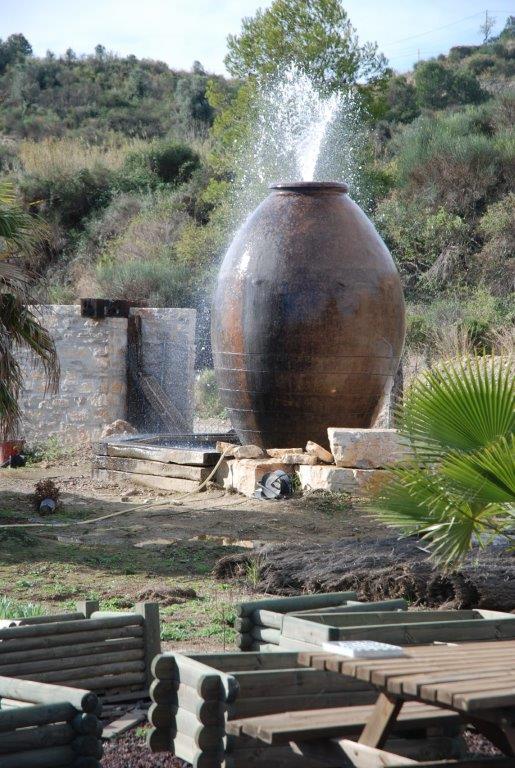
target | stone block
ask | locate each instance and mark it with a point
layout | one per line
(314, 449)
(366, 448)
(336, 479)
(248, 452)
(298, 458)
(243, 475)
(227, 448)
(276, 453)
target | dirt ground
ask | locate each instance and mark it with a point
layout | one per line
(157, 549)
(165, 549)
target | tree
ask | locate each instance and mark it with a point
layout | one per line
(459, 420)
(316, 36)
(401, 98)
(14, 49)
(20, 329)
(487, 27)
(437, 86)
(433, 82)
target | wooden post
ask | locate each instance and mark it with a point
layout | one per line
(87, 607)
(151, 634)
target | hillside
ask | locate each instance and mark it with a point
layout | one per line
(120, 157)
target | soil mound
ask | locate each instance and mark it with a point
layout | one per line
(380, 569)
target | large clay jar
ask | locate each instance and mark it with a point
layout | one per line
(308, 318)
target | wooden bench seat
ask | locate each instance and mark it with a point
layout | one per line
(338, 721)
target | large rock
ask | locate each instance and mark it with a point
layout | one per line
(336, 479)
(118, 427)
(276, 453)
(243, 475)
(299, 458)
(248, 452)
(314, 449)
(366, 448)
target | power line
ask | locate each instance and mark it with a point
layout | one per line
(445, 26)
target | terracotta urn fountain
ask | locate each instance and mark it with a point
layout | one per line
(308, 318)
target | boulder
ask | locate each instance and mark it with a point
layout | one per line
(366, 448)
(336, 479)
(118, 427)
(314, 449)
(276, 453)
(248, 452)
(221, 447)
(298, 458)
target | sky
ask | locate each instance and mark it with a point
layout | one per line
(182, 31)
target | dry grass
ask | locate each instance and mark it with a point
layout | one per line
(66, 156)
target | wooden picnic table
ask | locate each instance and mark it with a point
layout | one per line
(476, 680)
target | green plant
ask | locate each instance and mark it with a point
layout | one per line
(19, 325)
(459, 420)
(207, 399)
(254, 570)
(156, 282)
(11, 609)
(52, 449)
(160, 162)
(314, 35)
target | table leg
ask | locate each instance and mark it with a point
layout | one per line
(497, 727)
(381, 721)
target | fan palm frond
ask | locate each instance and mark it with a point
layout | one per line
(461, 405)
(487, 475)
(459, 418)
(20, 328)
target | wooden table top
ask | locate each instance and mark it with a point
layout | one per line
(467, 677)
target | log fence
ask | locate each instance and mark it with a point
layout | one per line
(48, 726)
(106, 652)
(259, 624)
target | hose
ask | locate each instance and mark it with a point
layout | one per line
(176, 502)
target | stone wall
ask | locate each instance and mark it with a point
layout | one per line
(93, 358)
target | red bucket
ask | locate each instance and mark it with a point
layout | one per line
(10, 448)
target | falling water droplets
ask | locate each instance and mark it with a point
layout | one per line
(299, 135)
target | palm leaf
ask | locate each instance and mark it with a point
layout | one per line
(20, 328)
(459, 405)
(487, 475)
(423, 502)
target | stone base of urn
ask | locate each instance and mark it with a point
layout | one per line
(359, 457)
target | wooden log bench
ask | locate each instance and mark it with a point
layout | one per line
(48, 726)
(406, 628)
(197, 698)
(259, 623)
(106, 652)
(326, 723)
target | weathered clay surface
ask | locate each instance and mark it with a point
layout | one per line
(308, 318)
(314, 449)
(366, 448)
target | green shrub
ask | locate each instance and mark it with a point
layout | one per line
(161, 162)
(207, 399)
(69, 199)
(156, 282)
(437, 86)
(494, 263)
(450, 164)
